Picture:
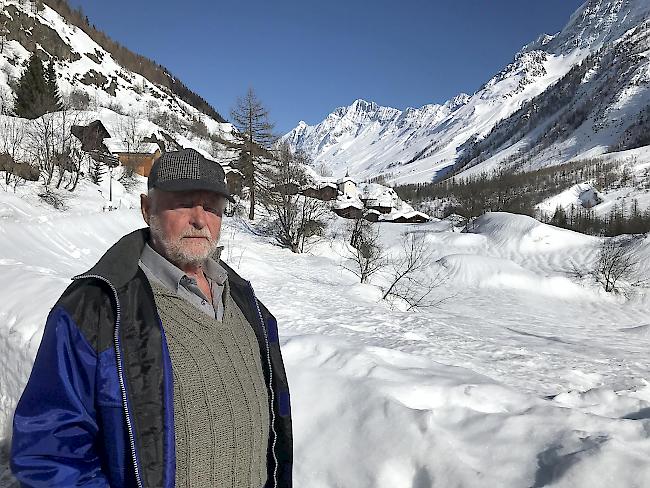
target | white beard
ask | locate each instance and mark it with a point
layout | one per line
(177, 251)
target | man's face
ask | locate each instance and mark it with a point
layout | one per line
(184, 225)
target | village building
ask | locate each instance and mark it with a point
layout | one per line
(348, 208)
(140, 156)
(371, 216)
(234, 180)
(346, 185)
(289, 188)
(411, 217)
(325, 192)
(91, 136)
(382, 206)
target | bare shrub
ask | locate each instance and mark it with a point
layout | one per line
(296, 218)
(51, 197)
(618, 262)
(51, 145)
(168, 121)
(198, 128)
(365, 254)
(12, 135)
(413, 275)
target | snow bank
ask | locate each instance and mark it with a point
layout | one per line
(517, 380)
(380, 419)
(525, 234)
(503, 274)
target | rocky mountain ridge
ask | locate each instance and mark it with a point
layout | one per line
(422, 144)
(90, 76)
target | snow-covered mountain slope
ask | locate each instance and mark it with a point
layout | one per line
(632, 190)
(523, 377)
(600, 56)
(87, 71)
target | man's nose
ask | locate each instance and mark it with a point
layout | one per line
(197, 216)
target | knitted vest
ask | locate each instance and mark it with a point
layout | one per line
(221, 409)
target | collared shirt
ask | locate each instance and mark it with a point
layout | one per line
(173, 278)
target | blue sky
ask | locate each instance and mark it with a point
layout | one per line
(305, 58)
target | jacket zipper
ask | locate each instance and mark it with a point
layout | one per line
(271, 391)
(120, 373)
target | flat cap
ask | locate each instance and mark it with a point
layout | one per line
(188, 170)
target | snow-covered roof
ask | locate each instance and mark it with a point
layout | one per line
(376, 202)
(347, 203)
(406, 215)
(377, 195)
(119, 146)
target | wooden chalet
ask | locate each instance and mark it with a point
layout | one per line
(290, 188)
(348, 212)
(407, 218)
(140, 158)
(380, 206)
(234, 180)
(91, 136)
(371, 216)
(325, 192)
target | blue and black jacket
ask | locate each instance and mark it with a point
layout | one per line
(98, 408)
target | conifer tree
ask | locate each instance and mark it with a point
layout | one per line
(37, 93)
(52, 96)
(97, 172)
(31, 87)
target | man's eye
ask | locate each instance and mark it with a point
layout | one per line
(214, 210)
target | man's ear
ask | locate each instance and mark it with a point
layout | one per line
(145, 207)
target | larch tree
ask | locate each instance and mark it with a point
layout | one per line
(252, 119)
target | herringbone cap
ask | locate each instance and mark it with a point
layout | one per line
(187, 170)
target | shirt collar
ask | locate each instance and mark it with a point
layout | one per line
(171, 275)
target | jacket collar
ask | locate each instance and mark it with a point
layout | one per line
(119, 264)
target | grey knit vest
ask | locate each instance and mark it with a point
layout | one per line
(221, 409)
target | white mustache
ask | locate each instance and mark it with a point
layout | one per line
(201, 233)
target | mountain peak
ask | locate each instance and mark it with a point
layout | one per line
(593, 24)
(514, 108)
(363, 105)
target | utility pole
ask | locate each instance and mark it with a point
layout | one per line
(112, 162)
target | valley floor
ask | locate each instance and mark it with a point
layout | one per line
(525, 376)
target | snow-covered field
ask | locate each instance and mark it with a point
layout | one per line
(524, 377)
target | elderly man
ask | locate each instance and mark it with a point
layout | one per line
(159, 367)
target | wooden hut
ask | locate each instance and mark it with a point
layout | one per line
(412, 217)
(91, 136)
(234, 180)
(325, 192)
(371, 216)
(140, 156)
(348, 211)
